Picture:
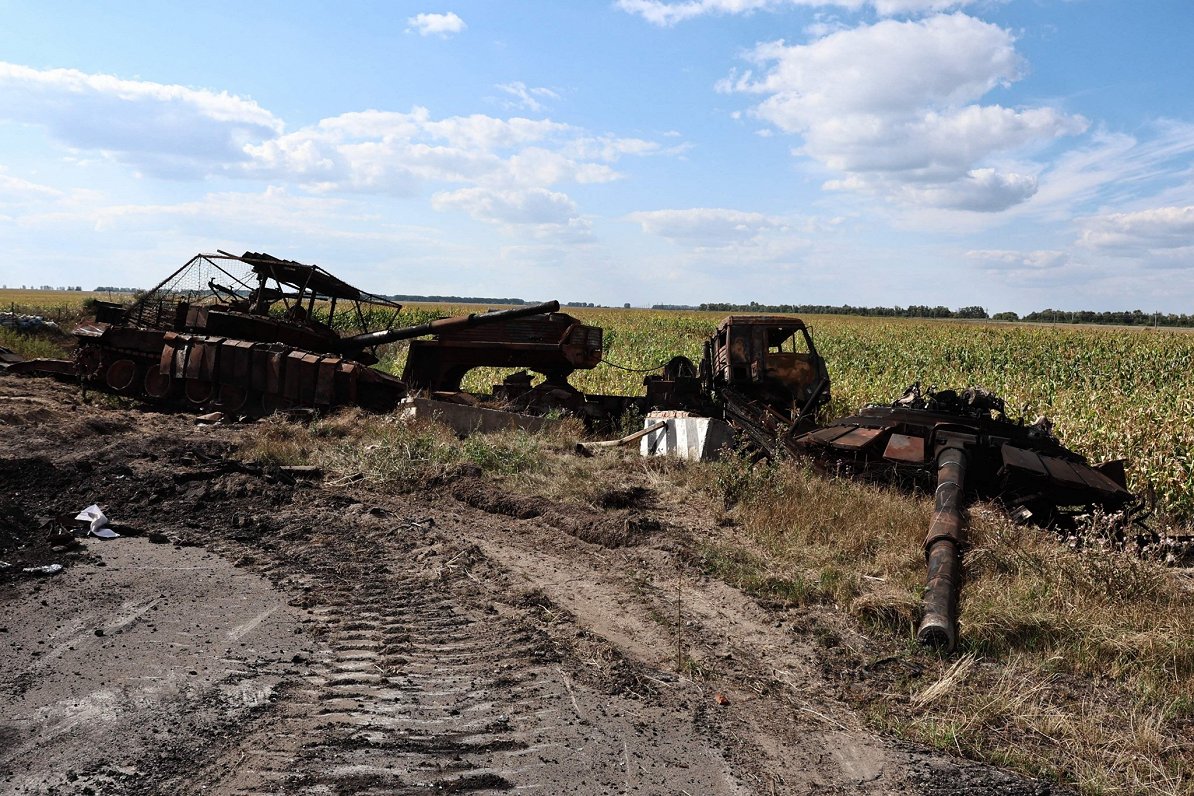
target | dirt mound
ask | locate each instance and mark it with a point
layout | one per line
(612, 529)
(493, 500)
(631, 497)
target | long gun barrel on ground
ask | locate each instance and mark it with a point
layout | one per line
(357, 342)
(943, 543)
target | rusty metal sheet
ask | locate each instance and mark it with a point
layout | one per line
(308, 376)
(166, 361)
(829, 433)
(325, 383)
(133, 339)
(178, 368)
(1061, 472)
(858, 439)
(235, 363)
(273, 371)
(1096, 480)
(194, 358)
(904, 448)
(258, 368)
(1023, 460)
(211, 353)
(292, 374)
(347, 376)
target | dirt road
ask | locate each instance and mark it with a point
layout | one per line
(250, 634)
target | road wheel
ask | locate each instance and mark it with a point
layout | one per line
(121, 374)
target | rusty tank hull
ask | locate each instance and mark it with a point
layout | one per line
(250, 334)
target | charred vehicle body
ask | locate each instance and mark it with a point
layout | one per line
(252, 334)
(761, 373)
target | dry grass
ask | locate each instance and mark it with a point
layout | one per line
(387, 450)
(1075, 664)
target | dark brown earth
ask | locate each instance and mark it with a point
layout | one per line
(250, 633)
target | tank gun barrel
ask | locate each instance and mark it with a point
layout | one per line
(368, 339)
(943, 547)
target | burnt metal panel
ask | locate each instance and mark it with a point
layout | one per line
(1061, 472)
(194, 358)
(308, 376)
(292, 374)
(1096, 480)
(905, 448)
(274, 362)
(211, 355)
(858, 439)
(258, 368)
(236, 360)
(1022, 459)
(178, 367)
(829, 433)
(325, 383)
(166, 360)
(346, 378)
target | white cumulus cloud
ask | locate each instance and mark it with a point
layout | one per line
(1140, 232)
(442, 25)
(16, 189)
(670, 12)
(1006, 259)
(893, 107)
(160, 128)
(506, 170)
(547, 214)
(394, 152)
(526, 97)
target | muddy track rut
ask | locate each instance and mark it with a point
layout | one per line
(427, 680)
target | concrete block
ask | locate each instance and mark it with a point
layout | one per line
(465, 420)
(686, 436)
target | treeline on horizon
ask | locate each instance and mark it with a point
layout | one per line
(1116, 318)
(457, 299)
(1111, 318)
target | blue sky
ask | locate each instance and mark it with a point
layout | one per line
(1015, 154)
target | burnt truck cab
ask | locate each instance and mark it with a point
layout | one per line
(770, 359)
(762, 373)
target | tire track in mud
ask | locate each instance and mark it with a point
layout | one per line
(419, 685)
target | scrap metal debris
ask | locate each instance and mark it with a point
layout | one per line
(253, 334)
(47, 570)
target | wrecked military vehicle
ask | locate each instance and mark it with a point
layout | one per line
(253, 334)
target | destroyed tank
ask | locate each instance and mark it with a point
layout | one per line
(962, 446)
(250, 334)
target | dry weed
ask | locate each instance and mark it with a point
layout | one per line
(1076, 664)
